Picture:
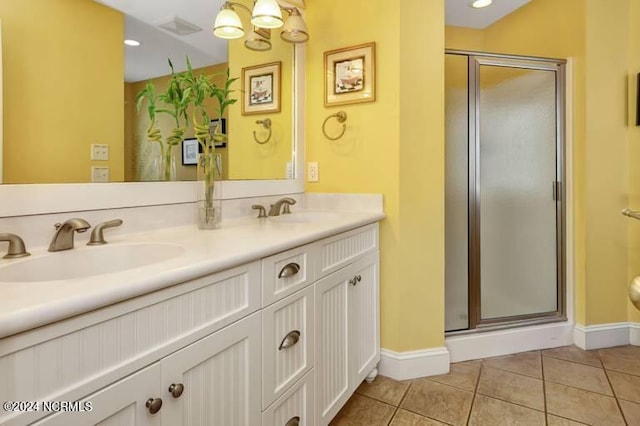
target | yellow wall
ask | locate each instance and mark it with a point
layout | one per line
(248, 159)
(390, 147)
(58, 148)
(634, 149)
(140, 123)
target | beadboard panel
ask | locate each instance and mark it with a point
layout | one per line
(54, 369)
(124, 417)
(120, 404)
(276, 288)
(283, 367)
(221, 377)
(363, 315)
(298, 402)
(332, 366)
(336, 252)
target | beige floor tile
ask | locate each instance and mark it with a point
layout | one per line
(511, 387)
(463, 375)
(625, 386)
(407, 418)
(438, 401)
(363, 411)
(490, 411)
(575, 354)
(384, 389)
(559, 421)
(527, 363)
(583, 406)
(577, 375)
(631, 412)
(625, 359)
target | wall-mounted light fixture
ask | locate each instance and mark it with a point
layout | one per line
(266, 14)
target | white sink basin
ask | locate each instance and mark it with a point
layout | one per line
(87, 261)
(305, 217)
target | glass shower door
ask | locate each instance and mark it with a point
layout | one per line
(516, 218)
(504, 247)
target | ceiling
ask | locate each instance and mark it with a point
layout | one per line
(149, 60)
(459, 13)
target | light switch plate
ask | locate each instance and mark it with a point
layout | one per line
(99, 174)
(99, 152)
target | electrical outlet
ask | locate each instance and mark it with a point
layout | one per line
(289, 170)
(99, 174)
(313, 174)
(99, 152)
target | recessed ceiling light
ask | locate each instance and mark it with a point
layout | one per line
(132, 42)
(481, 3)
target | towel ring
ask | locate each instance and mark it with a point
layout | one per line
(266, 123)
(341, 117)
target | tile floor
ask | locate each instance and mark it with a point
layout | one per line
(563, 386)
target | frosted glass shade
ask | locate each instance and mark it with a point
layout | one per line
(295, 29)
(267, 14)
(228, 24)
(255, 42)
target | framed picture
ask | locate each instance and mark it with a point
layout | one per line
(213, 124)
(190, 150)
(350, 75)
(261, 89)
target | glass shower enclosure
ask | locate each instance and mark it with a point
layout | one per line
(504, 174)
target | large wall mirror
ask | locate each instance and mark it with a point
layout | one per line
(70, 82)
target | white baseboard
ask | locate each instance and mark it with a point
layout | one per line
(634, 334)
(606, 335)
(414, 364)
(503, 342)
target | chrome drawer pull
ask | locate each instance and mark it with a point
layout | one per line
(293, 421)
(289, 270)
(289, 340)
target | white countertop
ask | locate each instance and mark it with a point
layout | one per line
(26, 305)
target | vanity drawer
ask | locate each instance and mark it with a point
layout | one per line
(336, 252)
(295, 407)
(287, 272)
(287, 343)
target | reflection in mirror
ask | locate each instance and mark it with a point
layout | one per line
(63, 89)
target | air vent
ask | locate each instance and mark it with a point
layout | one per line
(178, 26)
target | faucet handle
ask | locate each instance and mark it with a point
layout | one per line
(262, 212)
(16, 246)
(97, 236)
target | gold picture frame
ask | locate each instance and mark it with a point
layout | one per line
(350, 75)
(261, 88)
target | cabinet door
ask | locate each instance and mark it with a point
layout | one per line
(364, 318)
(220, 377)
(287, 343)
(121, 404)
(332, 362)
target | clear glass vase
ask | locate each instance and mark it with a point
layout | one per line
(209, 202)
(168, 167)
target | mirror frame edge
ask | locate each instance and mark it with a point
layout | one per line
(31, 199)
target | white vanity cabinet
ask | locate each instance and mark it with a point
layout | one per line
(347, 330)
(281, 341)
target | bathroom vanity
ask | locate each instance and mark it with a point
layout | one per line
(263, 322)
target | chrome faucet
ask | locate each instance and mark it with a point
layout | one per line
(16, 246)
(63, 238)
(283, 203)
(97, 237)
